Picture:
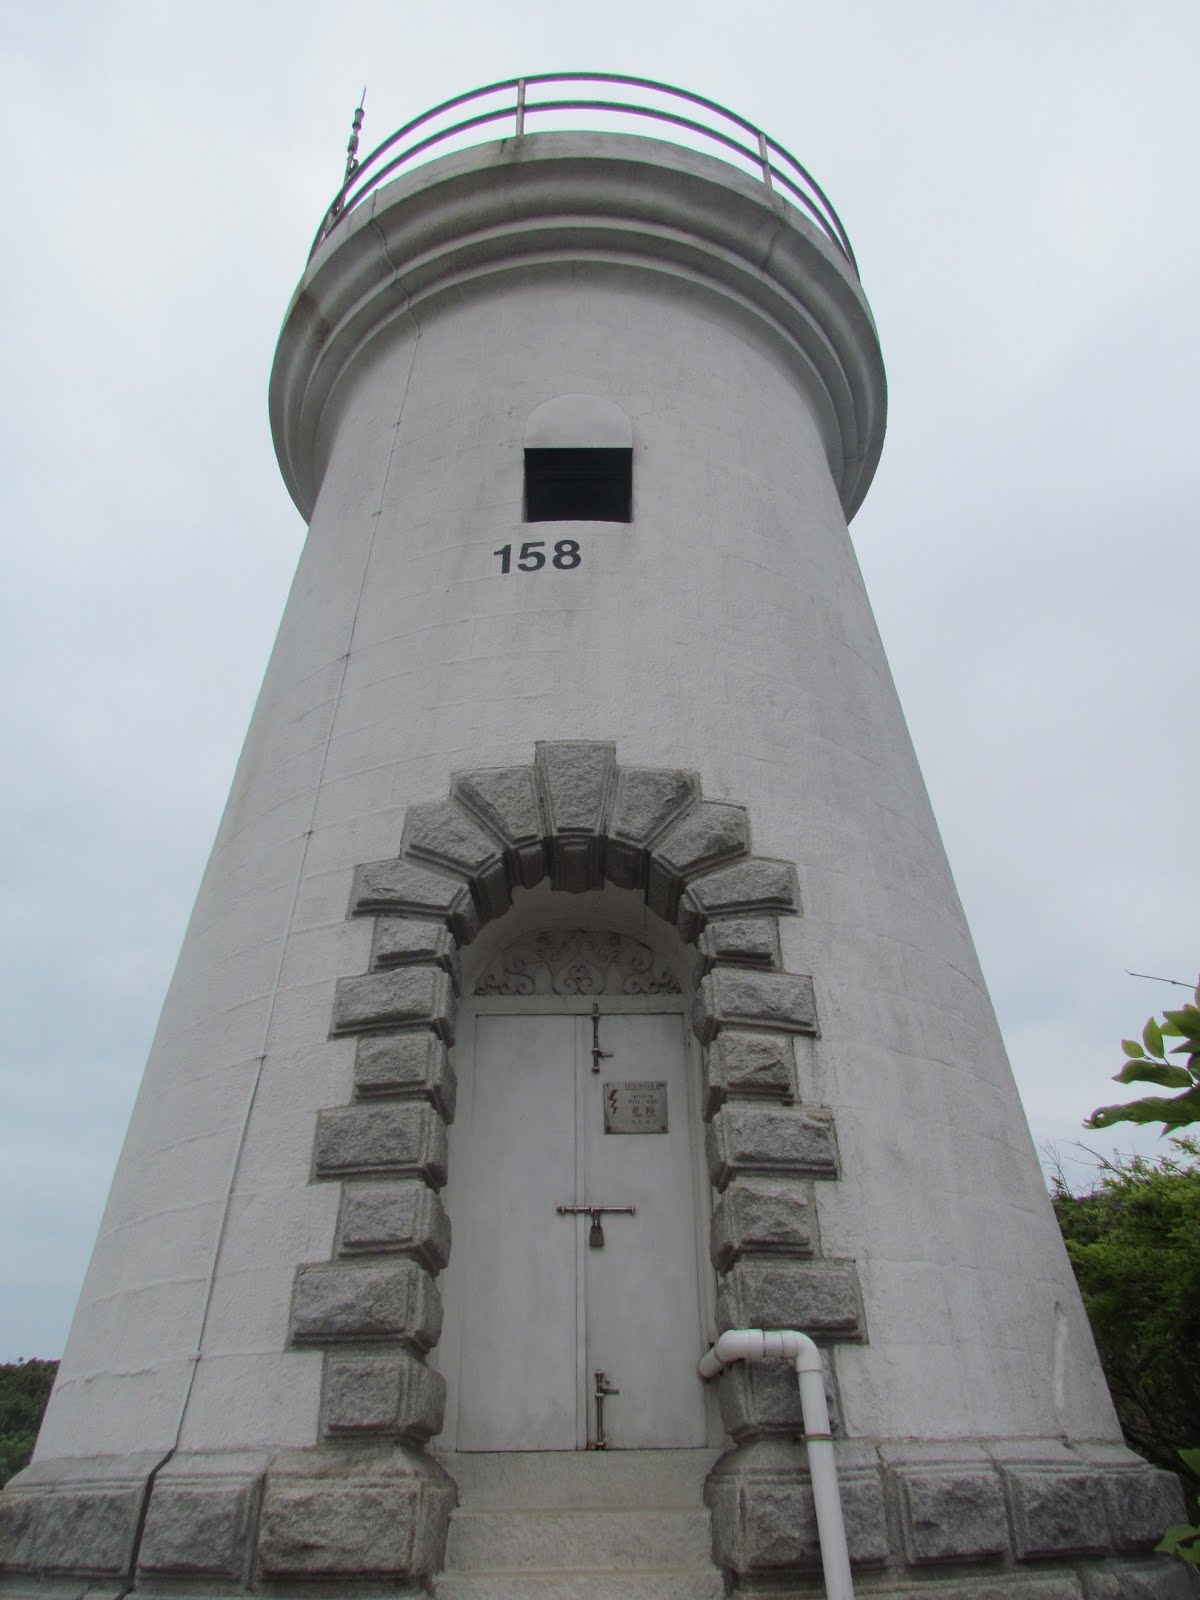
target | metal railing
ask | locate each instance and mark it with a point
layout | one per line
(765, 157)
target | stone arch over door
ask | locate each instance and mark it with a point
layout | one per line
(577, 820)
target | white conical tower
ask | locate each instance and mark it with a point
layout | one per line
(577, 972)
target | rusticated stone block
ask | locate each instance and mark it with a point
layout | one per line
(504, 800)
(403, 889)
(760, 1399)
(956, 1514)
(445, 835)
(393, 1395)
(18, 1528)
(735, 997)
(821, 1297)
(1141, 1505)
(411, 1064)
(415, 942)
(762, 1215)
(764, 1523)
(739, 1063)
(575, 782)
(768, 1139)
(741, 942)
(1056, 1513)
(704, 837)
(405, 1138)
(405, 1218)
(74, 1518)
(749, 888)
(340, 1302)
(197, 1529)
(354, 1514)
(407, 997)
(647, 802)
(82, 1532)
(1162, 1579)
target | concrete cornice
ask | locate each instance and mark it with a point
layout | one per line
(555, 199)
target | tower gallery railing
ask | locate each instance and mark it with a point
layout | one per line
(765, 157)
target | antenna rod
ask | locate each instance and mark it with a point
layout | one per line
(352, 147)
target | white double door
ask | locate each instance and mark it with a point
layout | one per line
(544, 1309)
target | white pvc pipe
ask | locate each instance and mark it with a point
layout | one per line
(753, 1344)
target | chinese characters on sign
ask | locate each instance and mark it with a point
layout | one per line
(635, 1107)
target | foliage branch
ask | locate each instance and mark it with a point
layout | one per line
(1148, 1062)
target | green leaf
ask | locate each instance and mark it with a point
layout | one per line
(1160, 1072)
(1180, 1112)
(1132, 1048)
(1187, 1021)
(1170, 1028)
(1181, 1539)
(1191, 1458)
(1152, 1038)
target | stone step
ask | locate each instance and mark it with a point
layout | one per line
(553, 1541)
(580, 1586)
(611, 1480)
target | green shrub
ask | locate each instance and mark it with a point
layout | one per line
(24, 1390)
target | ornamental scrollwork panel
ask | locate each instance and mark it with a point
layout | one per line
(577, 961)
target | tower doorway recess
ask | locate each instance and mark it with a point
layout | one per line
(547, 1306)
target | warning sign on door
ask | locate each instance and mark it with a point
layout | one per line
(635, 1107)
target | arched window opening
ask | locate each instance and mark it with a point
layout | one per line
(578, 461)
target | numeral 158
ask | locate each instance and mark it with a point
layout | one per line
(532, 556)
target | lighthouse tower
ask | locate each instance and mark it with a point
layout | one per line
(577, 973)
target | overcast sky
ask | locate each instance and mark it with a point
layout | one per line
(1018, 180)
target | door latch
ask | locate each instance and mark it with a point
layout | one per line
(598, 1055)
(596, 1231)
(603, 1388)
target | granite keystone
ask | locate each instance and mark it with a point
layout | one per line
(575, 781)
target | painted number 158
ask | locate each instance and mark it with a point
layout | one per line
(532, 556)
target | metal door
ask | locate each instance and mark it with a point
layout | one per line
(545, 1307)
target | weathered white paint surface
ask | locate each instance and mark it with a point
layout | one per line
(725, 629)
